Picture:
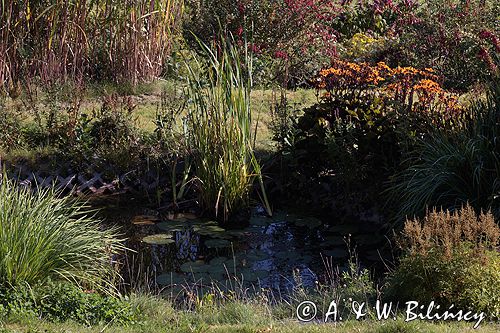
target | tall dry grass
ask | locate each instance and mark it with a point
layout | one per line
(80, 39)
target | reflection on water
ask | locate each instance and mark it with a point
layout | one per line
(277, 253)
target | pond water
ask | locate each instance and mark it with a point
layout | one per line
(277, 253)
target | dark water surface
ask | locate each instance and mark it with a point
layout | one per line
(277, 253)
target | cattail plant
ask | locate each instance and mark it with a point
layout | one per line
(220, 133)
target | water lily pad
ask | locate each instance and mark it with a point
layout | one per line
(218, 261)
(260, 220)
(237, 233)
(159, 239)
(182, 217)
(334, 240)
(170, 278)
(256, 255)
(144, 220)
(194, 266)
(217, 243)
(279, 216)
(253, 276)
(211, 231)
(229, 265)
(172, 226)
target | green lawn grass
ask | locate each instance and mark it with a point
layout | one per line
(288, 326)
(158, 315)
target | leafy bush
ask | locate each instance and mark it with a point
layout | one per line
(450, 258)
(43, 236)
(448, 169)
(60, 302)
(368, 116)
(289, 34)
(220, 130)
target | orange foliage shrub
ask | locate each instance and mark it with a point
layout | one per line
(414, 89)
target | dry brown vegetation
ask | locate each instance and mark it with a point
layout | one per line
(449, 230)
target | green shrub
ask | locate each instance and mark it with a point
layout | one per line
(43, 236)
(450, 259)
(60, 302)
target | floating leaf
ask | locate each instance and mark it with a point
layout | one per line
(256, 255)
(194, 266)
(217, 261)
(211, 231)
(333, 240)
(280, 217)
(159, 239)
(217, 243)
(171, 278)
(172, 226)
(144, 220)
(260, 220)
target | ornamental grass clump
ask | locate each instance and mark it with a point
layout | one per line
(45, 237)
(447, 169)
(220, 131)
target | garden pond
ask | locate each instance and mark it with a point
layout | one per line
(277, 253)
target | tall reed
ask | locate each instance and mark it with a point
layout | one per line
(99, 39)
(220, 128)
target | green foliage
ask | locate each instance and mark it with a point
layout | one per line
(61, 302)
(465, 280)
(283, 122)
(106, 137)
(356, 137)
(448, 169)
(43, 236)
(220, 130)
(10, 126)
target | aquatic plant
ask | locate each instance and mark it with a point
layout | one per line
(43, 236)
(220, 131)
